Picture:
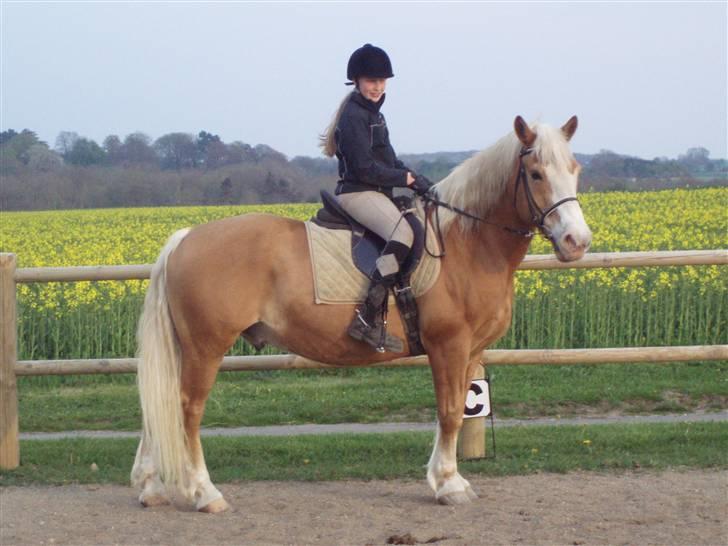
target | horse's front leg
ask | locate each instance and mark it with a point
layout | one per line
(452, 374)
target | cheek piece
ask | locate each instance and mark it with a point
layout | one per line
(538, 215)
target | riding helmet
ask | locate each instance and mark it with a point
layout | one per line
(368, 61)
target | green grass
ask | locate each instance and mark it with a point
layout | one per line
(376, 395)
(521, 450)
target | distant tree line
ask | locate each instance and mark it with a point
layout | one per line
(608, 170)
(184, 169)
(175, 169)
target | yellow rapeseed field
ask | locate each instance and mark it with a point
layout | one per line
(568, 308)
(620, 221)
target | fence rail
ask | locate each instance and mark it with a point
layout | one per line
(492, 357)
(533, 262)
(10, 367)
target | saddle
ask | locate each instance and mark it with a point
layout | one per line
(366, 247)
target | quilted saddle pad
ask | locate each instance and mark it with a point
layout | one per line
(337, 280)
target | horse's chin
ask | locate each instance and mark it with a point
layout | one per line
(564, 256)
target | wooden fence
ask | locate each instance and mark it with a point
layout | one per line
(474, 429)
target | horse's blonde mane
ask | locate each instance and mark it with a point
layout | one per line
(477, 183)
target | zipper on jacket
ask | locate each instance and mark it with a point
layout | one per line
(371, 132)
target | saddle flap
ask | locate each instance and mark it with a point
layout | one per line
(418, 245)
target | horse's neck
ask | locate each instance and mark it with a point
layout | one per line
(490, 244)
(478, 272)
(492, 237)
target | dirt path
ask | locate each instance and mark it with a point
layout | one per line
(580, 508)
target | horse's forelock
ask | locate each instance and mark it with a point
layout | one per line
(551, 147)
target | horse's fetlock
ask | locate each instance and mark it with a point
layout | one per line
(447, 470)
(440, 473)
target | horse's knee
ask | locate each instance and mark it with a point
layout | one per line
(450, 422)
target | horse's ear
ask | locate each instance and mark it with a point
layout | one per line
(523, 131)
(569, 128)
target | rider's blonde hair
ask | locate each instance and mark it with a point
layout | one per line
(327, 142)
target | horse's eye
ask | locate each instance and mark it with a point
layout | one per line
(535, 175)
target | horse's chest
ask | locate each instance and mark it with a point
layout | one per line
(493, 317)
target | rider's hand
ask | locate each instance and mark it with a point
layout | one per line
(421, 184)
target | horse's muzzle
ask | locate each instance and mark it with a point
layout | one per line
(571, 246)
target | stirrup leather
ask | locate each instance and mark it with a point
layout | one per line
(375, 334)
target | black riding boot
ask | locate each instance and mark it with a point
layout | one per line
(369, 324)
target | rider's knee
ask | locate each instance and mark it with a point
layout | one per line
(404, 234)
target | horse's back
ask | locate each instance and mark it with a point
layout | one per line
(246, 240)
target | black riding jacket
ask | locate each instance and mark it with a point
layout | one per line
(366, 158)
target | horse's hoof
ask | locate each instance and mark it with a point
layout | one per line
(455, 498)
(472, 495)
(153, 500)
(215, 507)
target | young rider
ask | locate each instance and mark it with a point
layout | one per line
(368, 171)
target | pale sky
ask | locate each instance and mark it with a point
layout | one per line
(645, 79)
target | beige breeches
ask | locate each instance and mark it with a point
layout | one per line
(377, 212)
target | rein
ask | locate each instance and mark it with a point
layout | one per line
(538, 215)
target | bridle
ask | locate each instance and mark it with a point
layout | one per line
(538, 215)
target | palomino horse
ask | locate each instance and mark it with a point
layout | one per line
(250, 276)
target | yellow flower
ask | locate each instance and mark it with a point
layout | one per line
(620, 221)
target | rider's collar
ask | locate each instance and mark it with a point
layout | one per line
(366, 103)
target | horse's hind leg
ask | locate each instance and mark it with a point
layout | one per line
(145, 475)
(452, 375)
(198, 377)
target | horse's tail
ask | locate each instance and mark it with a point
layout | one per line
(158, 375)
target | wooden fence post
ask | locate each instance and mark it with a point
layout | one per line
(471, 444)
(9, 446)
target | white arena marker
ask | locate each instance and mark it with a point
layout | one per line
(477, 403)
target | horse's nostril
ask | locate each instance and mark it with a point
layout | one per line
(569, 240)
